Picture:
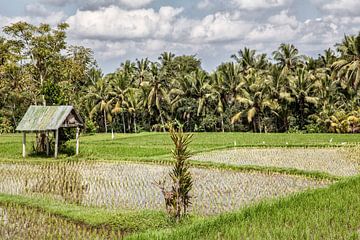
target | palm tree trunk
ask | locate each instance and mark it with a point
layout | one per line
(222, 123)
(162, 122)
(129, 123)
(123, 120)
(135, 123)
(105, 124)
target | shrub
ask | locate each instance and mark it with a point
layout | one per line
(178, 199)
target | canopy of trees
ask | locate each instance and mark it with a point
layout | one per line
(251, 92)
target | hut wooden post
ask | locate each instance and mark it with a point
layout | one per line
(77, 140)
(56, 142)
(47, 143)
(24, 145)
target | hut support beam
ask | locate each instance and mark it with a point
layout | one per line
(56, 142)
(24, 145)
(77, 140)
(47, 143)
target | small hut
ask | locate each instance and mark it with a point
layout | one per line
(46, 119)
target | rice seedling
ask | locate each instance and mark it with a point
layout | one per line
(18, 222)
(336, 161)
(130, 186)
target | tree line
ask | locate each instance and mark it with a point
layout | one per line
(251, 92)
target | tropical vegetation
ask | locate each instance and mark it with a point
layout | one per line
(251, 92)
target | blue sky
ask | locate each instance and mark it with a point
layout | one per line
(117, 30)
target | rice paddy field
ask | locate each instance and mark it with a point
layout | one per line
(246, 186)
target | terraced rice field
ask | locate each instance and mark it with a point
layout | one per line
(108, 191)
(130, 186)
(335, 161)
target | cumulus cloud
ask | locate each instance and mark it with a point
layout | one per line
(204, 4)
(135, 3)
(114, 23)
(339, 7)
(36, 9)
(95, 4)
(259, 4)
(59, 3)
(283, 18)
(352, 6)
(126, 29)
(221, 26)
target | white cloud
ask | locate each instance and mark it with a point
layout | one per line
(95, 4)
(283, 18)
(135, 3)
(272, 33)
(56, 2)
(352, 6)
(220, 26)
(37, 9)
(204, 4)
(338, 7)
(114, 23)
(259, 4)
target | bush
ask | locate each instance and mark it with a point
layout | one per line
(90, 126)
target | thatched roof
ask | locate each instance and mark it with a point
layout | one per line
(45, 118)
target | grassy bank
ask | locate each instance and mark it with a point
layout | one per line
(330, 213)
(126, 221)
(157, 145)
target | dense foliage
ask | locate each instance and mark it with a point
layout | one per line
(251, 92)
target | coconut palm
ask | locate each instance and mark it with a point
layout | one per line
(158, 96)
(231, 78)
(287, 57)
(347, 68)
(247, 59)
(200, 90)
(99, 94)
(142, 68)
(303, 89)
(219, 92)
(119, 82)
(255, 101)
(134, 104)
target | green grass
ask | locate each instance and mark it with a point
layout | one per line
(150, 146)
(126, 221)
(330, 213)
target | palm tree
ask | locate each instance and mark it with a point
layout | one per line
(99, 94)
(279, 89)
(142, 68)
(347, 68)
(219, 93)
(158, 95)
(200, 90)
(247, 59)
(134, 104)
(303, 89)
(231, 75)
(166, 58)
(119, 82)
(255, 101)
(287, 57)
